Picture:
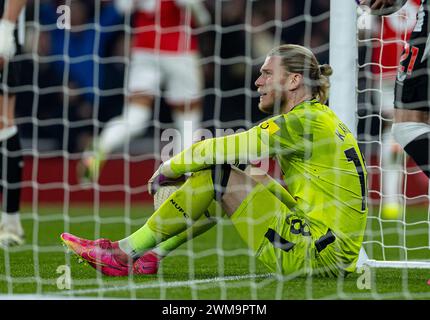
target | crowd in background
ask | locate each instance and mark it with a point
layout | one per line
(74, 79)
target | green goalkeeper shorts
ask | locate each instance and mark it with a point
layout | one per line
(284, 241)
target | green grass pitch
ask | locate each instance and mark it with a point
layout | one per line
(214, 266)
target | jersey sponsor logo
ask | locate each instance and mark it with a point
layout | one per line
(179, 208)
(344, 128)
(341, 131)
(269, 126)
(339, 135)
(300, 227)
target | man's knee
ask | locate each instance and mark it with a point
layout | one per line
(231, 185)
(221, 174)
(405, 132)
(406, 115)
(258, 175)
(143, 100)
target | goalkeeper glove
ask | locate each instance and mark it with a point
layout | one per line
(159, 179)
(7, 39)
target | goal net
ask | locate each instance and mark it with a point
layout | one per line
(77, 71)
(398, 191)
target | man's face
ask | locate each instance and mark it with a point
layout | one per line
(271, 84)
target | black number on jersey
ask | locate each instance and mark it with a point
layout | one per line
(352, 155)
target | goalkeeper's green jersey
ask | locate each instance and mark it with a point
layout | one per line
(322, 166)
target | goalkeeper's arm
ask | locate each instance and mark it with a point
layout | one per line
(244, 147)
(7, 27)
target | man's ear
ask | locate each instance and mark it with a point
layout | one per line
(294, 81)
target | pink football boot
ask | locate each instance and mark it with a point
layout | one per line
(101, 254)
(147, 264)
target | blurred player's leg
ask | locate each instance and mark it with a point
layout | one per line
(411, 127)
(414, 137)
(143, 85)
(391, 153)
(130, 124)
(183, 93)
(118, 132)
(11, 231)
(392, 168)
(187, 120)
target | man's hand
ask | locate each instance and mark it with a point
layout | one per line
(382, 7)
(7, 41)
(377, 4)
(158, 180)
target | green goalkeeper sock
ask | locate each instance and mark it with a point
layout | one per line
(180, 210)
(203, 224)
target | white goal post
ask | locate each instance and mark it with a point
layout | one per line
(343, 60)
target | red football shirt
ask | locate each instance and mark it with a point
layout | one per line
(166, 27)
(392, 36)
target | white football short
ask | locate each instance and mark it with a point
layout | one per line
(176, 77)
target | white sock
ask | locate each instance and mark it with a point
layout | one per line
(8, 132)
(186, 122)
(392, 169)
(12, 221)
(122, 129)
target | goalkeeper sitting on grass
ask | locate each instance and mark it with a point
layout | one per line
(316, 227)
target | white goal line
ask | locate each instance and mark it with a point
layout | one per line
(162, 284)
(398, 264)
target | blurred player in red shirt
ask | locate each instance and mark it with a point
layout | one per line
(164, 54)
